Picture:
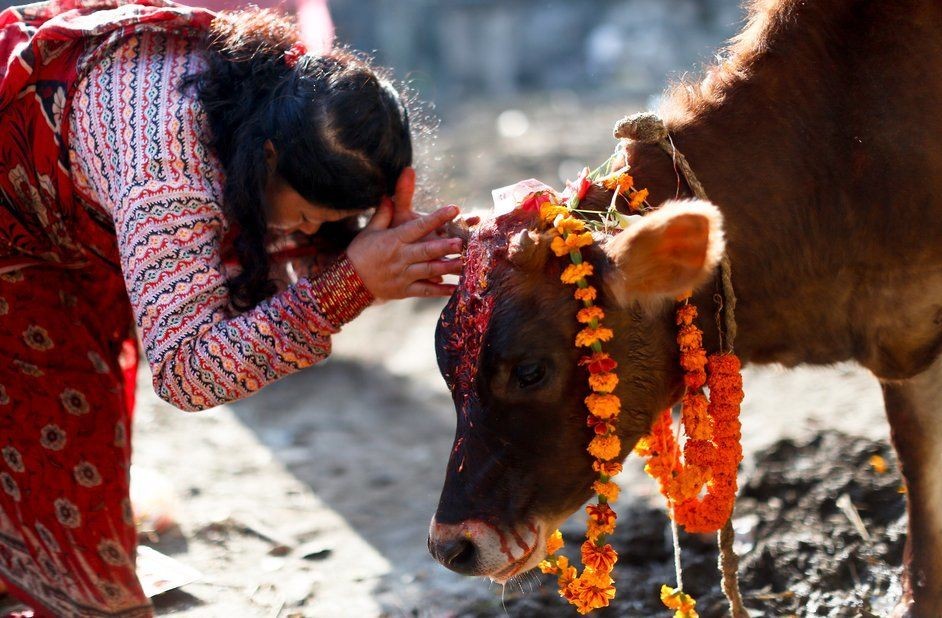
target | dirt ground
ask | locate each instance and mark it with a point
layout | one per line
(313, 497)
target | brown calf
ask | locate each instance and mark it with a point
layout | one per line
(818, 140)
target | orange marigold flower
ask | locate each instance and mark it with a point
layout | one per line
(686, 314)
(726, 429)
(603, 382)
(601, 513)
(589, 592)
(554, 542)
(725, 363)
(605, 447)
(575, 272)
(600, 426)
(697, 423)
(566, 224)
(724, 411)
(608, 490)
(588, 314)
(689, 337)
(595, 577)
(567, 574)
(603, 405)
(598, 362)
(572, 242)
(608, 468)
(601, 520)
(700, 453)
(695, 379)
(618, 182)
(637, 199)
(548, 567)
(587, 294)
(588, 335)
(601, 559)
(693, 360)
(878, 464)
(680, 601)
(688, 483)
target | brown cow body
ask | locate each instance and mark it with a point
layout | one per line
(818, 140)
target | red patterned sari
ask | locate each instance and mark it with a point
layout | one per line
(67, 541)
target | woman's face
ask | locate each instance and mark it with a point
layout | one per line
(289, 212)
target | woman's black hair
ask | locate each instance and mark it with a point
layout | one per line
(340, 130)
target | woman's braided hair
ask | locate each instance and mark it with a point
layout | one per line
(341, 130)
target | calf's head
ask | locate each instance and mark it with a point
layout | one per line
(505, 345)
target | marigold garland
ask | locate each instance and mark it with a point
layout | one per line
(594, 587)
(711, 453)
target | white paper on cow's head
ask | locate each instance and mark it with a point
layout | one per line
(509, 197)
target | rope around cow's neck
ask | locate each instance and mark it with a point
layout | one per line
(648, 128)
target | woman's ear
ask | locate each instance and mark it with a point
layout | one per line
(667, 253)
(271, 157)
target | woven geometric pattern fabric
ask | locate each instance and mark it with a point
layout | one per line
(139, 145)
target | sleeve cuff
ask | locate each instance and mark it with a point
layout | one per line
(340, 293)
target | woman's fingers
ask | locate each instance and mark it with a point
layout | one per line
(417, 228)
(434, 268)
(424, 288)
(431, 249)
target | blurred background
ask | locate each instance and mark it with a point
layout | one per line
(313, 497)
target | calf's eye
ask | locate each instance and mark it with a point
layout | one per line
(529, 374)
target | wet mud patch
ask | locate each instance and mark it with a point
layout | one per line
(820, 532)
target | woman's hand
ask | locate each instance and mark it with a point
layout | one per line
(398, 262)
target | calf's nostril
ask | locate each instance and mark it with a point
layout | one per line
(458, 555)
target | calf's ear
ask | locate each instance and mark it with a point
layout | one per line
(666, 253)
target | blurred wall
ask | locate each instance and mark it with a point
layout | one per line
(463, 49)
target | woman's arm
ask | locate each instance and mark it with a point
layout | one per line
(162, 186)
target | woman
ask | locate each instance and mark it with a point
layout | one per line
(150, 154)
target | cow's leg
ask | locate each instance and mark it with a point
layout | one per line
(914, 410)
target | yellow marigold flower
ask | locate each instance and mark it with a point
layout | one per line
(564, 246)
(548, 567)
(587, 336)
(588, 314)
(637, 200)
(554, 542)
(586, 294)
(575, 272)
(605, 447)
(549, 211)
(603, 405)
(568, 224)
(680, 601)
(608, 490)
(603, 382)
